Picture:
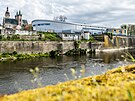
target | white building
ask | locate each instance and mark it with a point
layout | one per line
(55, 26)
(58, 26)
(25, 32)
(68, 31)
(70, 35)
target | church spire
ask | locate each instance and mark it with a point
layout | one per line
(7, 9)
(7, 14)
(20, 13)
(16, 13)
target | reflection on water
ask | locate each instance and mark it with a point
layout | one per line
(15, 76)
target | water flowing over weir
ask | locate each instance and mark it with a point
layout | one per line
(15, 76)
(119, 41)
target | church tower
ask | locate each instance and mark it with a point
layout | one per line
(7, 14)
(18, 17)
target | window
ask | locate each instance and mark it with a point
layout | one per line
(120, 31)
(42, 24)
(47, 24)
(114, 30)
(125, 31)
(65, 35)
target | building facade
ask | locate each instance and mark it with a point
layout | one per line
(117, 31)
(55, 26)
(68, 31)
(58, 26)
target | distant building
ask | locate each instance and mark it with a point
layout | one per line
(70, 35)
(12, 24)
(130, 29)
(117, 31)
(94, 30)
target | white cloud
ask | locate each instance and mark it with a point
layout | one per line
(95, 12)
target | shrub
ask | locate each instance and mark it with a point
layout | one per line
(1, 37)
(8, 37)
(15, 37)
(14, 53)
(76, 44)
(54, 53)
(91, 38)
(78, 51)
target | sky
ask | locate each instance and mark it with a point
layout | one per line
(107, 13)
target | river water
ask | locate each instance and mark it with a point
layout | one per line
(15, 76)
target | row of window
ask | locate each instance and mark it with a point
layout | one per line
(66, 35)
(120, 31)
(42, 24)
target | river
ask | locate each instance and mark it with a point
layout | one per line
(15, 76)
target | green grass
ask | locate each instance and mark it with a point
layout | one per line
(48, 36)
(14, 56)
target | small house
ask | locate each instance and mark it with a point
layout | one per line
(70, 35)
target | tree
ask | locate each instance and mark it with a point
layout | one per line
(28, 27)
(131, 29)
(124, 26)
(61, 18)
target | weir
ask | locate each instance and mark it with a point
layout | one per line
(119, 41)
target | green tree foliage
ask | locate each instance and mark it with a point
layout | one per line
(124, 26)
(1, 37)
(15, 37)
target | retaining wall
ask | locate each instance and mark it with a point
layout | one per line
(41, 46)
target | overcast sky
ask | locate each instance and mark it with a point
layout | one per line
(111, 13)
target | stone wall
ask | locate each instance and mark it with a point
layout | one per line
(40, 46)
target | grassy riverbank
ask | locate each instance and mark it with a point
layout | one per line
(15, 56)
(115, 85)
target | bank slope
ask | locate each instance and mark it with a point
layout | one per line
(115, 85)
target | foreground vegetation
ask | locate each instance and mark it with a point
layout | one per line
(115, 85)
